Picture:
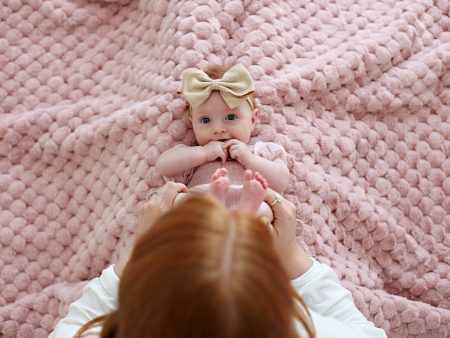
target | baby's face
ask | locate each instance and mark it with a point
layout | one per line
(213, 120)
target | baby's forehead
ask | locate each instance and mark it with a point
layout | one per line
(216, 104)
(216, 99)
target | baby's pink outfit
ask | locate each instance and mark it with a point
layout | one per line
(199, 178)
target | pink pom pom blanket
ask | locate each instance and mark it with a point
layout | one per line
(356, 90)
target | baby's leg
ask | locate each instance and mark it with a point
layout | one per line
(253, 191)
(220, 184)
(252, 198)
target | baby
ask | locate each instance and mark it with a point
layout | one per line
(223, 114)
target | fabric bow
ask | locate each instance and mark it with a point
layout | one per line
(234, 86)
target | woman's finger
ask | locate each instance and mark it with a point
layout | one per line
(283, 212)
(177, 187)
(278, 202)
(274, 200)
(266, 221)
(173, 189)
(168, 193)
(169, 189)
(160, 201)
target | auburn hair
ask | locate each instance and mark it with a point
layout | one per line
(204, 271)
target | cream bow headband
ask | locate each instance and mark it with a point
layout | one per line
(234, 86)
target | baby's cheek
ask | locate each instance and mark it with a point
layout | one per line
(199, 139)
(202, 139)
(244, 135)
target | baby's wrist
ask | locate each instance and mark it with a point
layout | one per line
(247, 161)
(204, 154)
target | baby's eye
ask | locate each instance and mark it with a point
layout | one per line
(231, 117)
(205, 120)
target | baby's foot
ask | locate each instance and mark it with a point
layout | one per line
(253, 192)
(220, 183)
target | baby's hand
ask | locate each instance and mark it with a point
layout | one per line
(214, 150)
(239, 151)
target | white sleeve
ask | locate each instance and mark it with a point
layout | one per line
(332, 309)
(99, 297)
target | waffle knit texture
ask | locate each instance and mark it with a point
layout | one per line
(356, 91)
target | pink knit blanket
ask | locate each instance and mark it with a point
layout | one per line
(356, 90)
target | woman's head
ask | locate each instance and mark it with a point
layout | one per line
(215, 120)
(203, 271)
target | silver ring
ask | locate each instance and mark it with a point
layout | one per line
(153, 193)
(276, 200)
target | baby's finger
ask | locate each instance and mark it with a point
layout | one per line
(234, 147)
(233, 154)
(230, 142)
(223, 156)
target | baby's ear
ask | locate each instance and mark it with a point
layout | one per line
(255, 115)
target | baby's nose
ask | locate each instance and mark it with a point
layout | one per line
(219, 128)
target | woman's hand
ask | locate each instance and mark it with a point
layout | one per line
(160, 202)
(294, 258)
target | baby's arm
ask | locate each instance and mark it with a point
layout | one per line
(181, 158)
